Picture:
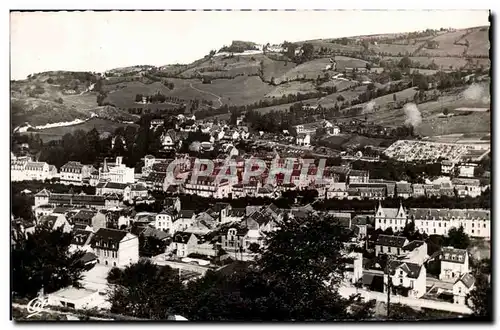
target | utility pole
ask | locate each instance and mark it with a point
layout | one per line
(389, 282)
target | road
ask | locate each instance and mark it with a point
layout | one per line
(219, 98)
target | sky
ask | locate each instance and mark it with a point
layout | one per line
(99, 41)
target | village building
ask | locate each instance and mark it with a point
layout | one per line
(462, 287)
(467, 170)
(117, 172)
(135, 191)
(208, 186)
(407, 275)
(356, 176)
(476, 223)
(395, 218)
(454, 264)
(303, 139)
(388, 244)
(115, 248)
(75, 173)
(108, 187)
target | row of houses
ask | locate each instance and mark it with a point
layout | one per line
(381, 189)
(476, 223)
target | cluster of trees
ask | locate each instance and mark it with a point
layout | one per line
(41, 260)
(133, 143)
(155, 98)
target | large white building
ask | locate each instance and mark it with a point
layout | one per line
(476, 223)
(408, 275)
(75, 173)
(23, 169)
(117, 172)
(208, 186)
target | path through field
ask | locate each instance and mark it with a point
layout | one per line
(201, 91)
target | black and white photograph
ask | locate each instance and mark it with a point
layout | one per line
(250, 165)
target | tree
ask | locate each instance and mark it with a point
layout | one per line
(307, 51)
(146, 290)
(480, 297)
(394, 97)
(405, 63)
(138, 98)
(42, 260)
(457, 238)
(446, 111)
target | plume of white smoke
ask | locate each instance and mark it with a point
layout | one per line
(195, 146)
(476, 92)
(413, 116)
(369, 107)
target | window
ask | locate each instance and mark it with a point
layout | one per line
(400, 281)
(473, 231)
(71, 305)
(400, 273)
(473, 225)
(459, 290)
(411, 284)
(484, 225)
(440, 224)
(434, 230)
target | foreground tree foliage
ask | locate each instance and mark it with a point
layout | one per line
(296, 278)
(42, 259)
(480, 298)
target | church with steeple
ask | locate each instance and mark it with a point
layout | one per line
(395, 218)
(116, 172)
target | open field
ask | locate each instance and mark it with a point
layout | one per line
(276, 68)
(101, 125)
(393, 49)
(479, 43)
(343, 141)
(294, 87)
(238, 91)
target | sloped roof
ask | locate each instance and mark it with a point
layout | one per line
(186, 213)
(448, 214)
(108, 234)
(412, 270)
(453, 255)
(467, 279)
(390, 240)
(413, 245)
(159, 234)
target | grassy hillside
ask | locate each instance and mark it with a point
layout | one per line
(101, 125)
(241, 79)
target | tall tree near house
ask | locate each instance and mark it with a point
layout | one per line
(42, 260)
(457, 238)
(480, 298)
(146, 290)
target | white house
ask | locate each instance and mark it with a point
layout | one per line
(116, 248)
(133, 191)
(394, 218)
(467, 170)
(462, 287)
(388, 244)
(408, 275)
(75, 172)
(454, 263)
(165, 220)
(303, 139)
(337, 190)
